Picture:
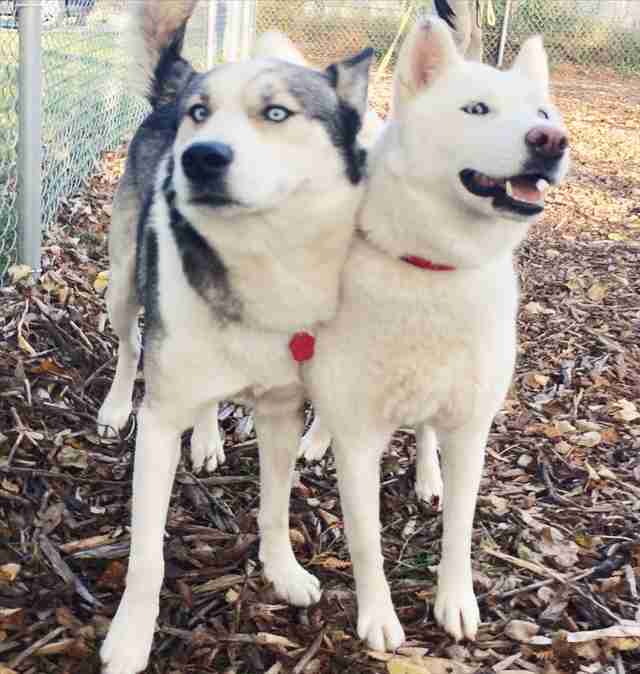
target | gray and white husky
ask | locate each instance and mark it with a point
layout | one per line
(230, 227)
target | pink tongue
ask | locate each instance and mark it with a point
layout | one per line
(525, 190)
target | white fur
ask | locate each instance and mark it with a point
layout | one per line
(431, 349)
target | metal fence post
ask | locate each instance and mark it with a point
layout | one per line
(212, 38)
(30, 134)
(504, 33)
(247, 36)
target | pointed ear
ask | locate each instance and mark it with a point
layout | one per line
(427, 52)
(532, 61)
(350, 79)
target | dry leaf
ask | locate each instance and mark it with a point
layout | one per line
(101, 282)
(627, 411)
(232, 596)
(72, 457)
(9, 572)
(597, 292)
(113, 576)
(331, 563)
(427, 665)
(19, 272)
(25, 346)
(536, 380)
(590, 439)
(521, 630)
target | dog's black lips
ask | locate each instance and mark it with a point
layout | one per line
(501, 200)
(213, 200)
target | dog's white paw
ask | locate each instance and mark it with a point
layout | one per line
(113, 416)
(456, 610)
(430, 490)
(128, 644)
(293, 584)
(379, 626)
(207, 450)
(315, 443)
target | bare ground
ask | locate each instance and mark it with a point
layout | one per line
(557, 528)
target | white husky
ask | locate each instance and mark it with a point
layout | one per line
(425, 333)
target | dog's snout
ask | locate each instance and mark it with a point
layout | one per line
(206, 161)
(547, 142)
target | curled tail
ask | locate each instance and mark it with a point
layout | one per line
(443, 8)
(274, 44)
(155, 40)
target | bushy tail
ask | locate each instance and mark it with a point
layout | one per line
(443, 8)
(155, 38)
(274, 44)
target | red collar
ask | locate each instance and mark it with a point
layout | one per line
(426, 264)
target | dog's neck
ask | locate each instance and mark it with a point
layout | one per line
(403, 215)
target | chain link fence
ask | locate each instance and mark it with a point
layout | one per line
(85, 106)
(86, 109)
(584, 32)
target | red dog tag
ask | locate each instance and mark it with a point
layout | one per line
(302, 346)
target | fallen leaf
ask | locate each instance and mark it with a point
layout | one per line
(627, 411)
(399, 665)
(101, 282)
(590, 439)
(19, 272)
(536, 380)
(331, 563)
(9, 572)
(232, 596)
(25, 346)
(71, 457)
(521, 630)
(597, 292)
(113, 576)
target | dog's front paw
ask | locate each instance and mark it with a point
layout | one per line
(207, 450)
(293, 584)
(456, 610)
(379, 626)
(128, 643)
(113, 416)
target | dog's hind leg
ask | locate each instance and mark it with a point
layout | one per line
(358, 464)
(428, 478)
(207, 444)
(126, 648)
(315, 441)
(123, 307)
(279, 425)
(456, 608)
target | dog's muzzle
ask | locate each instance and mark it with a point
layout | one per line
(206, 162)
(206, 166)
(523, 193)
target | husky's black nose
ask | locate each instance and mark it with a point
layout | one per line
(203, 162)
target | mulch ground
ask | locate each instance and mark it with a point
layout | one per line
(556, 547)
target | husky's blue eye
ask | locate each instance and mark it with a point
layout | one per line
(276, 113)
(198, 113)
(543, 113)
(476, 109)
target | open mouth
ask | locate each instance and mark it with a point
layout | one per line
(522, 194)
